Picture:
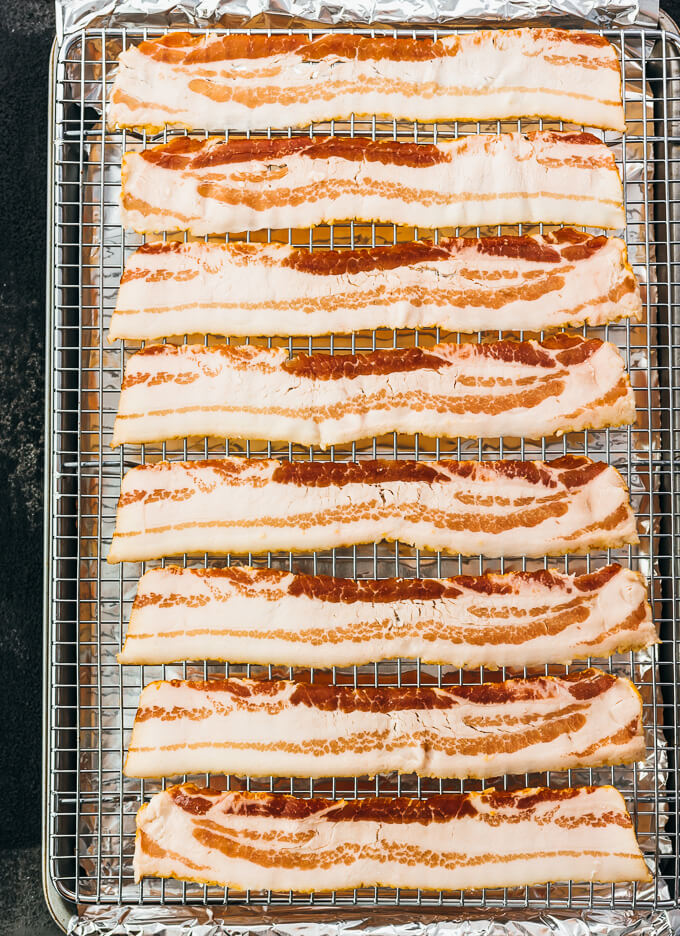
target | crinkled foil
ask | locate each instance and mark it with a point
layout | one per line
(108, 694)
(132, 922)
(80, 14)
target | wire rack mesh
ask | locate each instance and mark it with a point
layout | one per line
(92, 701)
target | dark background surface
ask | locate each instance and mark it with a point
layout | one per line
(26, 34)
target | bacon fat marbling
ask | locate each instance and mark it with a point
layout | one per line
(253, 728)
(497, 508)
(209, 186)
(461, 284)
(245, 615)
(268, 841)
(504, 388)
(248, 82)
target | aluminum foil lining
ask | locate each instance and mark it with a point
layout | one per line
(79, 14)
(185, 921)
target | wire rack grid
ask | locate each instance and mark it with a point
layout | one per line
(91, 701)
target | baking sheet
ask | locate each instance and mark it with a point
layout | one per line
(108, 694)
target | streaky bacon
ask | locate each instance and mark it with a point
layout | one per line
(253, 728)
(524, 389)
(247, 82)
(223, 187)
(245, 615)
(497, 508)
(497, 838)
(461, 284)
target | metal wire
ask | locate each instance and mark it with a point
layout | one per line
(91, 807)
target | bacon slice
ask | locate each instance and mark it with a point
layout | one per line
(462, 284)
(244, 615)
(504, 388)
(266, 841)
(497, 508)
(298, 182)
(252, 728)
(244, 82)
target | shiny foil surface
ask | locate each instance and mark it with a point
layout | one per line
(81, 14)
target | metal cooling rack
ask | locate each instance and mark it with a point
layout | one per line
(90, 701)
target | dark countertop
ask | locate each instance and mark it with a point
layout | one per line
(26, 33)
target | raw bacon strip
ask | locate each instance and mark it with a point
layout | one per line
(243, 82)
(267, 841)
(504, 388)
(212, 187)
(497, 508)
(461, 284)
(250, 728)
(244, 615)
